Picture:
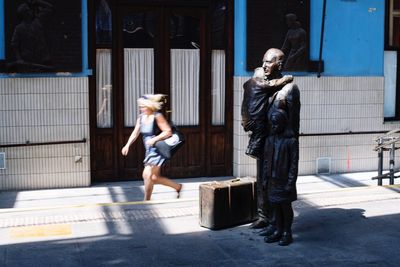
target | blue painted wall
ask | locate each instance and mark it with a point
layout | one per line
(353, 38)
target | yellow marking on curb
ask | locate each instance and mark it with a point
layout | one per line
(147, 202)
(41, 231)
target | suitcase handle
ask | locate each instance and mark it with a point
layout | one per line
(230, 181)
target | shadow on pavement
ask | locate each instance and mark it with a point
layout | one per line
(8, 199)
(323, 237)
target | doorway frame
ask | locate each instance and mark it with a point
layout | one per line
(224, 169)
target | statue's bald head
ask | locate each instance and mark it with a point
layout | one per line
(274, 54)
(273, 61)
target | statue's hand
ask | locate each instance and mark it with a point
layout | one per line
(288, 78)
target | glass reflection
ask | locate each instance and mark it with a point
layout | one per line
(218, 29)
(138, 30)
(104, 88)
(103, 23)
(184, 32)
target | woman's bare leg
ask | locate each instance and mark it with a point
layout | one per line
(158, 179)
(148, 182)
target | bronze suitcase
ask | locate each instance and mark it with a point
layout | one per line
(227, 203)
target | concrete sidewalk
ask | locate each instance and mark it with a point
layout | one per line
(133, 191)
(340, 220)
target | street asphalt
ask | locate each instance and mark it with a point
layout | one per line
(340, 220)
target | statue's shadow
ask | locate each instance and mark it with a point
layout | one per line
(330, 225)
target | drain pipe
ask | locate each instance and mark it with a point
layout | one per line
(321, 42)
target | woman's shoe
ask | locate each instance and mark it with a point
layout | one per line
(179, 191)
(286, 239)
(275, 237)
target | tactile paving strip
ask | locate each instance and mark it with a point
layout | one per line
(319, 199)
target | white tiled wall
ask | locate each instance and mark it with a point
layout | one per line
(40, 110)
(56, 109)
(328, 105)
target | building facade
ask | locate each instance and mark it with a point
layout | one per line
(353, 101)
(64, 126)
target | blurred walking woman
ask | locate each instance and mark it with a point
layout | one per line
(149, 106)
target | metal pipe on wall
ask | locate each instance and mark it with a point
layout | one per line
(321, 42)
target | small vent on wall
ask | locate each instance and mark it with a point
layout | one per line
(323, 165)
(2, 160)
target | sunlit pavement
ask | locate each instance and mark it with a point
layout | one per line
(340, 220)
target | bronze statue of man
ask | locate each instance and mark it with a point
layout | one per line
(260, 96)
(265, 82)
(278, 176)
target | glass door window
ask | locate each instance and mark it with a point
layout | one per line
(138, 51)
(103, 23)
(185, 69)
(218, 70)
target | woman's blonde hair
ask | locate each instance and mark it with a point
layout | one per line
(153, 102)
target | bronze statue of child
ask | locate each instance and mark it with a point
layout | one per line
(280, 170)
(257, 91)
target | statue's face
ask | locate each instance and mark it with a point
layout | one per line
(270, 64)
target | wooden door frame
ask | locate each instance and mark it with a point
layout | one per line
(226, 129)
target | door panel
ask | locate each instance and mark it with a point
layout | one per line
(217, 149)
(185, 66)
(137, 36)
(176, 67)
(138, 58)
(105, 158)
(184, 73)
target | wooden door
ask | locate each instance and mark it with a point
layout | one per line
(161, 49)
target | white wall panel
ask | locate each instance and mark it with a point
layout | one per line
(44, 110)
(328, 105)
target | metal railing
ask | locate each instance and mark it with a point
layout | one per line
(28, 143)
(387, 142)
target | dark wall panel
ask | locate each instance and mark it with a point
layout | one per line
(267, 26)
(43, 36)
